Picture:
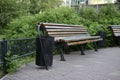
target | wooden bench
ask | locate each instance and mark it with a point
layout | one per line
(115, 33)
(69, 34)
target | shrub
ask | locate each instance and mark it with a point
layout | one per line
(60, 15)
(25, 26)
(22, 27)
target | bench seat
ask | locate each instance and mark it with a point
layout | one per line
(115, 33)
(79, 39)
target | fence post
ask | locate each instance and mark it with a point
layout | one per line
(4, 52)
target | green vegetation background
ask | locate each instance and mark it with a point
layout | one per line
(93, 20)
(19, 19)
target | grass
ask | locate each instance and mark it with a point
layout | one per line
(14, 65)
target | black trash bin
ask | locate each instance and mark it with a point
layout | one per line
(44, 51)
(102, 43)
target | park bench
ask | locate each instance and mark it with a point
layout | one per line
(69, 34)
(115, 33)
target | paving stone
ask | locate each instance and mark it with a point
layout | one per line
(101, 65)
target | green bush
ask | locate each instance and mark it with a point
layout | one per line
(89, 13)
(60, 15)
(23, 27)
(14, 65)
(26, 26)
(100, 20)
(92, 19)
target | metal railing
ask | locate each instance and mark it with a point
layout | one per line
(0, 54)
(15, 49)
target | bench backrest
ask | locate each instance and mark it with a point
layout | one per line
(64, 30)
(115, 29)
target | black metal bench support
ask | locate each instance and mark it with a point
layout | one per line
(61, 55)
(95, 46)
(119, 41)
(60, 50)
(82, 50)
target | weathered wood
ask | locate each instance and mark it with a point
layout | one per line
(115, 29)
(66, 30)
(67, 33)
(70, 34)
(55, 24)
(83, 41)
(78, 38)
(115, 33)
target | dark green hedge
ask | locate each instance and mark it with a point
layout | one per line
(91, 18)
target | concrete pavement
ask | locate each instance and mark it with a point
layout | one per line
(101, 65)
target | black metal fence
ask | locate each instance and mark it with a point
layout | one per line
(15, 49)
(1, 62)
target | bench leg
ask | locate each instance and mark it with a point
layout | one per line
(60, 51)
(65, 48)
(82, 50)
(119, 42)
(84, 46)
(61, 55)
(95, 46)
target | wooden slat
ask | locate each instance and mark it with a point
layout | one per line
(61, 35)
(77, 38)
(66, 27)
(68, 33)
(63, 25)
(57, 27)
(84, 41)
(116, 31)
(66, 30)
(116, 27)
(81, 39)
(116, 34)
(74, 43)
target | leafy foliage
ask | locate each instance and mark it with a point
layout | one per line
(12, 65)
(26, 26)
(100, 20)
(21, 28)
(11, 9)
(94, 20)
(37, 6)
(61, 15)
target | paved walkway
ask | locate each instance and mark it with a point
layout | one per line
(101, 65)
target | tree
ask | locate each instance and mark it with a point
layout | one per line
(42, 5)
(11, 9)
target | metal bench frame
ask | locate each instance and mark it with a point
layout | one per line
(69, 34)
